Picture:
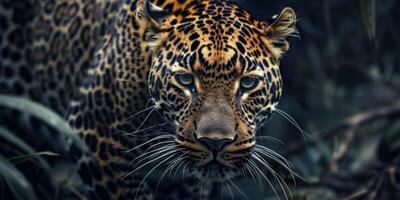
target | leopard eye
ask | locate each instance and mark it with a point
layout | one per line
(248, 83)
(185, 79)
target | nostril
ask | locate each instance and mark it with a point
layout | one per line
(214, 144)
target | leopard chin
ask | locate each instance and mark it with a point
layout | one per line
(214, 171)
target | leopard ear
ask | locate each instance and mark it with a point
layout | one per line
(160, 22)
(157, 16)
(278, 31)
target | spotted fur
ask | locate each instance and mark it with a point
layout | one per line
(112, 67)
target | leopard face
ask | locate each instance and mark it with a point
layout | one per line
(215, 76)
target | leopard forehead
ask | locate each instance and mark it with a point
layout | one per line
(216, 40)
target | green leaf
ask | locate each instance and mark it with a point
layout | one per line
(18, 184)
(11, 138)
(43, 113)
(368, 17)
(25, 158)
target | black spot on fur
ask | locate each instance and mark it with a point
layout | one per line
(194, 45)
(85, 174)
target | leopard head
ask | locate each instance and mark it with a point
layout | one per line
(215, 76)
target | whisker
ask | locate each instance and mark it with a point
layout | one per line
(145, 119)
(275, 175)
(151, 172)
(169, 167)
(270, 151)
(243, 172)
(162, 176)
(158, 151)
(156, 138)
(181, 162)
(147, 135)
(229, 188)
(137, 113)
(294, 123)
(144, 129)
(141, 166)
(271, 156)
(151, 100)
(264, 137)
(251, 167)
(293, 174)
(177, 166)
(262, 174)
(287, 165)
(128, 151)
(251, 172)
(184, 169)
(240, 191)
(280, 162)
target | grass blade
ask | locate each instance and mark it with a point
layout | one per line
(10, 137)
(17, 182)
(44, 114)
(25, 158)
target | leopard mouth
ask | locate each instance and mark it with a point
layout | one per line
(218, 167)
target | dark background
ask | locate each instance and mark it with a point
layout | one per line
(342, 85)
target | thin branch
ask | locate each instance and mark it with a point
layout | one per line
(351, 123)
(341, 150)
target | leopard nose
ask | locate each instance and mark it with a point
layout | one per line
(214, 144)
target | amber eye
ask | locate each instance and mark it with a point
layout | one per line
(185, 79)
(248, 83)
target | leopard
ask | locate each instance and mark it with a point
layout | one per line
(181, 85)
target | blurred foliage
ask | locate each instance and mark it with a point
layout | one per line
(342, 85)
(20, 162)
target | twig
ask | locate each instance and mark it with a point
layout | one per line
(354, 122)
(357, 194)
(340, 151)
